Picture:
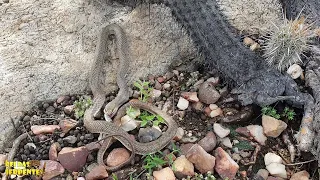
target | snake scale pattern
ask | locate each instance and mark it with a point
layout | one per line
(107, 127)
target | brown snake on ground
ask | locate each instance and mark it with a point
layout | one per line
(112, 129)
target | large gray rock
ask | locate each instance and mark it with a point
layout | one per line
(47, 48)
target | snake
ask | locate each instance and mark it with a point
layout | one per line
(118, 106)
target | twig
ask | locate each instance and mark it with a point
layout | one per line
(299, 163)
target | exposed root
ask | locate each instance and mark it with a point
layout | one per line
(253, 157)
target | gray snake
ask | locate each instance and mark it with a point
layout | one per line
(115, 107)
(107, 127)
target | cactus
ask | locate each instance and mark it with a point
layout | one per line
(287, 42)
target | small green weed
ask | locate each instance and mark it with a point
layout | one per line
(81, 105)
(244, 145)
(288, 113)
(153, 161)
(114, 176)
(144, 89)
(147, 117)
(270, 111)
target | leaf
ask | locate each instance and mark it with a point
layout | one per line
(144, 123)
(150, 118)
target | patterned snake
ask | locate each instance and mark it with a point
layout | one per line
(112, 129)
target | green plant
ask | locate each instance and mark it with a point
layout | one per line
(153, 161)
(286, 42)
(270, 111)
(81, 105)
(147, 117)
(244, 145)
(288, 113)
(144, 89)
(114, 176)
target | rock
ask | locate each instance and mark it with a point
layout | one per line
(3, 158)
(70, 139)
(207, 111)
(73, 159)
(50, 110)
(207, 93)
(117, 156)
(179, 134)
(226, 167)
(220, 130)
(203, 161)
(98, 172)
(257, 133)
(93, 146)
(68, 109)
(160, 79)
(53, 151)
(155, 93)
(149, 134)
(67, 124)
(39, 129)
(198, 106)
(272, 127)
(62, 98)
(243, 131)
(263, 173)
(248, 41)
(213, 81)
(278, 170)
(295, 71)
(301, 175)
(216, 112)
(52, 169)
(213, 107)
(274, 178)
(183, 167)
(209, 142)
(128, 123)
(254, 46)
(81, 178)
(166, 86)
(157, 85)
(226, 142)
(164, 174)
(185, 148)
(190, 96)
(183, 104)
(190, 139)
(272, 158)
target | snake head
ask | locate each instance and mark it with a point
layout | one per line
(110, 110)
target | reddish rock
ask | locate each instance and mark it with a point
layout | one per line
(53, 151)
(39, 129)
(207, 111)
(257, 133)
(164, 174)
(67, 124)
(117, 156)
(185, 148)
(93, 146)
(207, 93)
(98, 172)
(183, 167)
(179, 134)
(73, 159)
(226, 167)
(68, 109)
(3, 158)
(301, 175)
(203, 161)
(209, 142)
(52, 169)
(190, 96)
(62, 98)
(160, 79)
(243, 131)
